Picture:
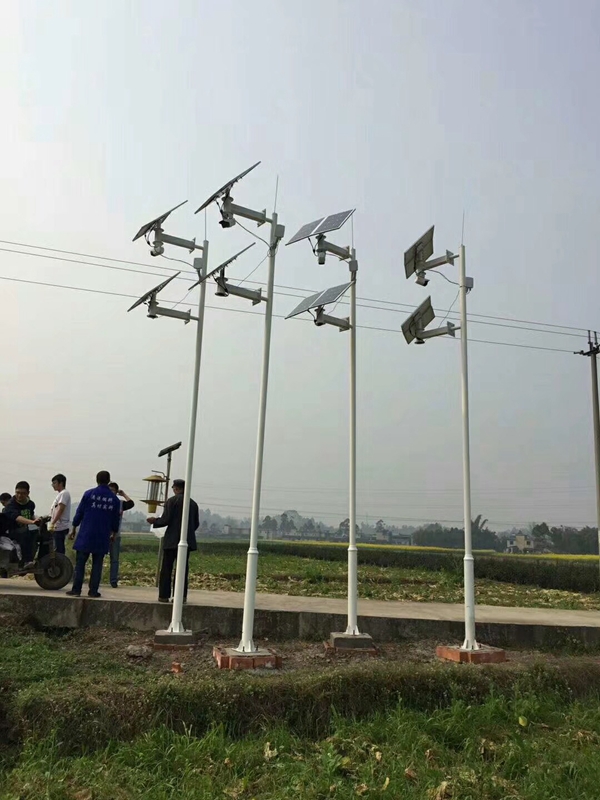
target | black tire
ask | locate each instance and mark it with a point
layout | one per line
(53, 571)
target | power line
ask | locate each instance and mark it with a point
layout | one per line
(279, 286)
(282, 294)
(258, 314)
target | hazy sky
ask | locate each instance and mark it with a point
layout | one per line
(412, 111)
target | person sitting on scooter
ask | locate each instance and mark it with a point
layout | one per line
(21, 512)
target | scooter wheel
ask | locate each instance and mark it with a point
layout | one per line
(53, 571)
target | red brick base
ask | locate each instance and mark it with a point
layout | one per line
(485, 654)
(228, 658)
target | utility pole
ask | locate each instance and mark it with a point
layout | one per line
(247, 650)
(592, 353)
(418, 261)
(351, 638)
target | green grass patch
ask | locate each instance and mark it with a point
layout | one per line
(527, 743)
(285, 572)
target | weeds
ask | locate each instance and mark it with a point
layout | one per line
(462, 751)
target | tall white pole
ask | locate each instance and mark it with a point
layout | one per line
(352, 551)
(176, 626)
(470, 642)
(596, 413)
(246, 644)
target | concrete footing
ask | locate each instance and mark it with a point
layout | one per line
(262, 658)
(351, 642)
(169, 640)
(484, 655)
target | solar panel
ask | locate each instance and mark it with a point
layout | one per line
(156, 223)
(333, 222)
(418, 320)
(305, 231)
(421, 250)
(330, 295)
(156, 290)
(226, 188)
(222, 266)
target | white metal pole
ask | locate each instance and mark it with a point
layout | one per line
(470, 642)
(246, 644)
(596, 413)
(352, 551)
(176, 625)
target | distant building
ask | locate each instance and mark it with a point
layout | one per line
(519, 543)
(236, 533)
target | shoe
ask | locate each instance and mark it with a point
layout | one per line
(94, 594)
(163, 599)
(71, 593)
(114, 585)
(29, 565)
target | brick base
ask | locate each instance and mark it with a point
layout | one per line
(230, 658)
(485, 654)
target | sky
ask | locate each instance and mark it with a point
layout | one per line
(414, 112)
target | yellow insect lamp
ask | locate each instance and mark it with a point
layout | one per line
(155, 492)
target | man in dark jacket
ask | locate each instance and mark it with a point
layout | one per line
(21, 512)
(98, 516)
(171, 520)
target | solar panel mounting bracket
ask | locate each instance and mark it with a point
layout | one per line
(160, 238)
(449, 329)
(229, 210)
(225, 289)
(321, 318)
(323, 247)
(161, 311)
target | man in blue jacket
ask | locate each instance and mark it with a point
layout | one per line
(98, 516)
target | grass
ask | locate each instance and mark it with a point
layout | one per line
(80, 721)
(525, 747)
(295, 575)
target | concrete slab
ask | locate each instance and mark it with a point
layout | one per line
(351, 641)
(287, 617)
(172, 641)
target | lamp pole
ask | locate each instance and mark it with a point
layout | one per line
(176, 626)
(352, 626)
(470, 642)
(417, 261)
(351, 638)
(246, 644)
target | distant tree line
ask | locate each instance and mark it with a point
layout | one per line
(290, 524)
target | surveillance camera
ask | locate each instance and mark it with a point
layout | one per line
(157, 250)
(419, 341)
(421, 279)
(227, 221)
(321, 256)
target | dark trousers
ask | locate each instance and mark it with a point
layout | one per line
(59, 541)
(79, 572)
(166, 580)
(25, 539)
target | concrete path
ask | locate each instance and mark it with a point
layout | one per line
(447, 612)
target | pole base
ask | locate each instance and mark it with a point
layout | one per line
(168, 640)
(351, 642)
(261, 658)
(485, 654)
